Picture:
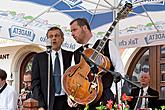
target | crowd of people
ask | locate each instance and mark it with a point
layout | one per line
(36, 83)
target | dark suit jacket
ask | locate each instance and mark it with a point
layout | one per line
(151, 101)
(40, 76)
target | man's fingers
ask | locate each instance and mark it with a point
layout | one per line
(75, 104)
(71, 103)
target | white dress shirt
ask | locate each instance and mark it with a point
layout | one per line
(8, 99)
(144, 100)
(53, 55)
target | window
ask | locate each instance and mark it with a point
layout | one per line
(162, 72)
(141, 65)
(162, 93)
(26, 66)
(153, 59)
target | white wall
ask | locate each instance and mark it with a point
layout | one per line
(12, 64)
(127, 57)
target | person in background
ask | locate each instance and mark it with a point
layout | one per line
(145, 90)
(26, 92)
(81, 32)
(60, 61)
(8, 96)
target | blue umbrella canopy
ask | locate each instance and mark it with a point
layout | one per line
(98, 12)
(28, 20)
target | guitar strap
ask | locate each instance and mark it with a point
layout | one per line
(77, 55)
(105, 51)
(3, 88)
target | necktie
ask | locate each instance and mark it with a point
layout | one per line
(86, 45)
(57, 74)
(140, 100)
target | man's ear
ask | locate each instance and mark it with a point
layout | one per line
(85, 27)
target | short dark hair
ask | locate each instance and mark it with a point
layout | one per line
(3, 74)
(55, 28)
(28, 72)
(81, 22)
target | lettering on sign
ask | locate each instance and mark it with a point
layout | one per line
(69, 45)
(16, 31)
(4, 56)
(154, 37)
(129, 42)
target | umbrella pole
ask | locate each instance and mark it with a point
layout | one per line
(116, 29)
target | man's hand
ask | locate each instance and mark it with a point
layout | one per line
(71, 103)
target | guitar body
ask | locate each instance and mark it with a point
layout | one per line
(80, 84)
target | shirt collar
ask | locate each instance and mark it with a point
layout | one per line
(145, 89)
(91, 41)
(54, 52)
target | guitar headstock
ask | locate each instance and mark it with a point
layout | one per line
(123, 13)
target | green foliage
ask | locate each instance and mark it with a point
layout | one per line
(86, 107)
(149, 24)
(13, 13)
(28, 17)
(101, 107)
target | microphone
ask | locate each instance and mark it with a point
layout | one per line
(48, 45)
(92, 65)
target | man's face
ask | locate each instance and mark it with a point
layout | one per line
(56, 39)
(27, 82)
(78, 32)
(144, 79)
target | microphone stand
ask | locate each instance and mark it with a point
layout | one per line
(116, 75)
(48, 51)
(117, 94)
(138, 99)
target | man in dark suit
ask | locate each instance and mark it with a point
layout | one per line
(81, 32)
(148, 97)
(57, 98)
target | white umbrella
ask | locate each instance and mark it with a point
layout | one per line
(28, 20)
(146, 28)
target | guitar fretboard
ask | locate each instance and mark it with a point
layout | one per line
(124, 12)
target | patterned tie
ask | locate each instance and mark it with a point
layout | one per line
(140, 100)
(57, 74)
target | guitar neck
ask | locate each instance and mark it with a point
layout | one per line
(122, 14)
(104, 40)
